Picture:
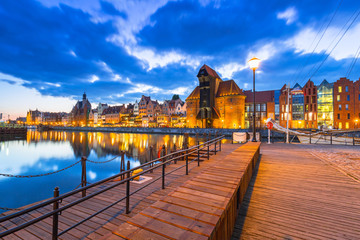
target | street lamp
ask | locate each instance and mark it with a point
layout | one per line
(254, 64)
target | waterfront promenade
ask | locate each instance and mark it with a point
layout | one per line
(296, 195)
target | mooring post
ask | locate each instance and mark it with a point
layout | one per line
(310, 137)
(55, 216)
(198, 153)
(220, 145)
(151, 157)
(128, 188)
(83, 175)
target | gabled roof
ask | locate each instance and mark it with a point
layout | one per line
(208, 71)
(195, 94)
(227, 88)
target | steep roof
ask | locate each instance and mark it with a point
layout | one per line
(228, 88)
(209, 71)
(263, 96)
(195, 94)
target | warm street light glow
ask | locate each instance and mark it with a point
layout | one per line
(254, 63)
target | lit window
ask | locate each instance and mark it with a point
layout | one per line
(339, 89)
(338, 98)
(347, 125)
(347, 106)
(340, 125)
(340, 107)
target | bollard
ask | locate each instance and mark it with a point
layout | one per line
(310, 137)
(163, 153)
(128, 189)
(151, 157)
(198, 153)
(175, 155)
(353, 138)
(55, 215)
(83, 175)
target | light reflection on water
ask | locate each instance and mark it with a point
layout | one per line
(44, 152)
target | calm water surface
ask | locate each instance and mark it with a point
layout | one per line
(49, 151)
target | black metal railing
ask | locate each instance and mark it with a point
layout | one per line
(200, 150)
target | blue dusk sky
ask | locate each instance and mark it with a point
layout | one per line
(51, 51)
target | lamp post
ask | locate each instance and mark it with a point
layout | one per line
(254, 64)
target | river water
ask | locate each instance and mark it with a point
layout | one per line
(46, 152)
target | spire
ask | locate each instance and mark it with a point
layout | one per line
(84, 96)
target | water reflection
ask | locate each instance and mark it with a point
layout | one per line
(43, 152)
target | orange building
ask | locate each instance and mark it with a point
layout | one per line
(357, 104)
(215, 103)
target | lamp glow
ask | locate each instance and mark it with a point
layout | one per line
(254, 63)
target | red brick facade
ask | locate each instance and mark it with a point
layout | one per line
(310, 104)
(344, 104)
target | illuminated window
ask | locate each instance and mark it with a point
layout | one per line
(339, 89)
(347, 106)
(339, 107)
(340, 125)
(347, 125)
(338, 98)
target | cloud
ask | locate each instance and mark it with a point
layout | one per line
(228, 70)
(94, 78)
(301, 42)
(289, 15)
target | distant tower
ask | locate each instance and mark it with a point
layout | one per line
(84, 96)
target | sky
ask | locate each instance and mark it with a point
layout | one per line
(52, 51)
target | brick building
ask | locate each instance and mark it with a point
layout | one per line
(79, 115)
(265, 107)
(215, 103)
(310, 104)
(143, 105)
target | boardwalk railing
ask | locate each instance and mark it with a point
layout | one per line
(199, 151)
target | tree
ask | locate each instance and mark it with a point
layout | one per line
(175, 96)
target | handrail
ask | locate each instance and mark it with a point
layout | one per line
(165, 160)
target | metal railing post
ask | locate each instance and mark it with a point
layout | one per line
(164, 153)
(55, 226)
(175, 155)
(128, 189)
(198, 153)
(83, 175)
(187, 163)
(163, 176)
(151, 157)
(330, 138)
(122, 164)
(215, 147)
(220, 145)
(353, 138)
(310, 137)
(208, 151)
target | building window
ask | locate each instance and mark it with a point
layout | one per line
(340, 125)
(348, 115)
(359, 97)
(305, 116)
(347, 106)
(338, 98)
(339, 107)
(339, 89)
(346, 88)
(314, 91)
(338, 116)
(348, 98)
(347, 125)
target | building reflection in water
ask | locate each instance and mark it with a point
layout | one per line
(135, 145)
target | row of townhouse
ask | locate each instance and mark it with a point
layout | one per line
(327, 105)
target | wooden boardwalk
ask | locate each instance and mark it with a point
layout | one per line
(204, 207)
(104, 223)
(297, 196)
